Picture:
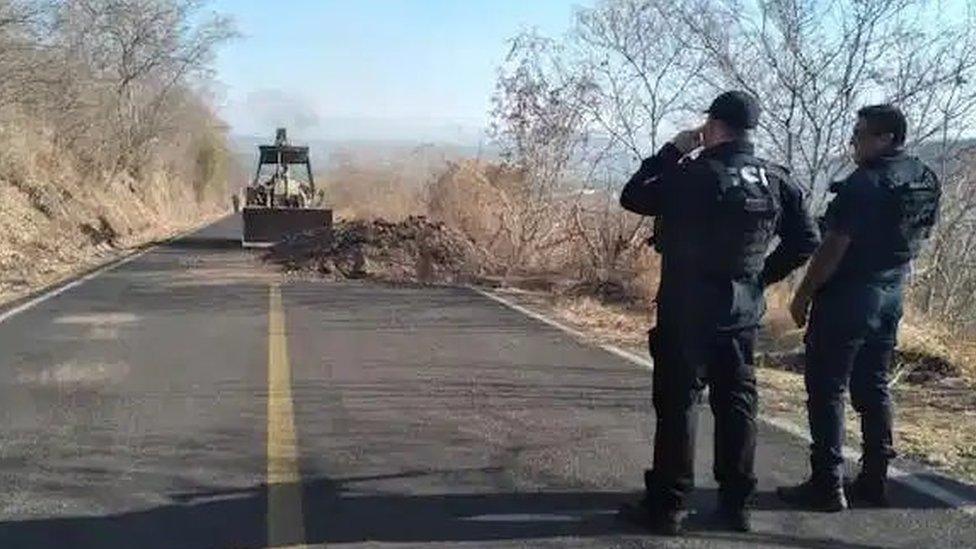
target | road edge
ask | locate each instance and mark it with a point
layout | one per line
(22, 304)
(911, 480)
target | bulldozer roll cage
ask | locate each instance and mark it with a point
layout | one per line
(280, 206)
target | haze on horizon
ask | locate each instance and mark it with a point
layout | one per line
(413, 70)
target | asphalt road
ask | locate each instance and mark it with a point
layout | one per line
(193, 398)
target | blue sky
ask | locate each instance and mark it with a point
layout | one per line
(421, 69)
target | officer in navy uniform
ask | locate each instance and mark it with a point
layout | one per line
(717, 215)
(874, 227)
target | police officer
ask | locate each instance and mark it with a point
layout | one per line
(716, 217)
(874, 227)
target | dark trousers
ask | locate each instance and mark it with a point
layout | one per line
(725, 363)
(850, 343)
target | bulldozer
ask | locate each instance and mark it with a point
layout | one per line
(276, 204)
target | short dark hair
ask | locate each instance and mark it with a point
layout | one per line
(886, 118)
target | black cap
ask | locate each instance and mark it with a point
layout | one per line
(737, 109)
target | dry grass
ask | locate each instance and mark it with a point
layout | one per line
(56, 219)
(935, 424)
(966, 358)
(926, 351)
(935, 399)
(369, 192)
(479, 200)
(938, 349)
(938, 426)
(616, 325)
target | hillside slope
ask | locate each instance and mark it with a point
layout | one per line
(56, 219)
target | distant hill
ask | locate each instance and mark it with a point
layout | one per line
(331, 153)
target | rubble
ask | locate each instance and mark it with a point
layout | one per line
(416, 250)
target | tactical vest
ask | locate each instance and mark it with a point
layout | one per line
(911, 206)
(747, 211)
(744, 214)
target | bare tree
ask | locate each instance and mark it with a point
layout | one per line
(139, 53)
(539, 112)
(627, 77)
(641, 69)
(808, 77)
(21, 62)
(643, 79)
(644, 63)
(930, 75)
(945, 282)
(812, 64)
(117, 85)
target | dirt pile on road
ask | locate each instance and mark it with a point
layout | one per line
(414, 250)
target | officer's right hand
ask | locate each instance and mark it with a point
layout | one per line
(688, 140)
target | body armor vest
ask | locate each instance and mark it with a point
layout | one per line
(911, 205)
(747, 210)
(744, 213)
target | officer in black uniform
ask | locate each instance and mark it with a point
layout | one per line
(874, 227)
(716, 217)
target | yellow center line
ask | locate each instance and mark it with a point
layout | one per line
(285, 519)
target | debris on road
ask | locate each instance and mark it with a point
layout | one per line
(416, 250)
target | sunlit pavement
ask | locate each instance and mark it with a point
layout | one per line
(193, 398)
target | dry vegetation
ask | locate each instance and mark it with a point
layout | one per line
(100, 158)
(458, 236)
(363, 190)
(575, 115)
(935, 418)
(580, 111)
(107, 140)
(455, 241)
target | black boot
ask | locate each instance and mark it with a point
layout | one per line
(814, 496)
(867, 492)
(659, 519)
(736, 518)
(732, 512)
(655, 511)
(868, 489)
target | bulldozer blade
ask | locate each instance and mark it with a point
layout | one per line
(264, 227)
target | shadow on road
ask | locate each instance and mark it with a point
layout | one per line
(337, 513)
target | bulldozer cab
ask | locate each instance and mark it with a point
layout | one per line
(277, 202)
(275, 183)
